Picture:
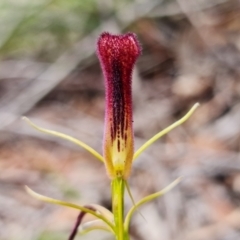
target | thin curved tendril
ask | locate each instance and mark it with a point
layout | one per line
(94, 225)
(147, 199)
(165, 131)
(132, 199)
(67, 204)
(66, 137)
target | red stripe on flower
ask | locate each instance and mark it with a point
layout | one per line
(117, 54)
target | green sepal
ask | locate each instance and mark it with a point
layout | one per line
(166, 130)
(98, 213)
(66, 137)
(94, 225)
(148, 199)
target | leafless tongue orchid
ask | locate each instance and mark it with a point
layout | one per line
(117, 54)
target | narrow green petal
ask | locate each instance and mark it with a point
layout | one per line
(165, 131)
(147, 199)
(64, 136)
(129, 192)
(71, 205)
(94, 225)
(132, 199)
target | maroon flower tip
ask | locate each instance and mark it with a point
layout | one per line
(123, 48)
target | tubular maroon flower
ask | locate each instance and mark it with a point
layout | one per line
(117, 54)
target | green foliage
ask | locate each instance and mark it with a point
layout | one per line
(46, 29)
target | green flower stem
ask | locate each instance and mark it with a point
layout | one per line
(118, 187)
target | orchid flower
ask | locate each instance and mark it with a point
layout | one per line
(117, 55)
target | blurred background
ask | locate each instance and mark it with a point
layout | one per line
(49, 72)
